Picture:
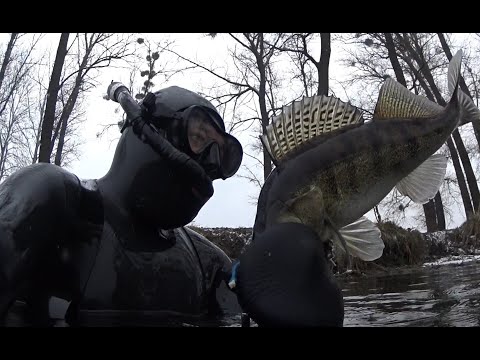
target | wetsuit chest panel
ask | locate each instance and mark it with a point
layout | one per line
(124, 279)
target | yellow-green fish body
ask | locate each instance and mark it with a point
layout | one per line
(329, 180)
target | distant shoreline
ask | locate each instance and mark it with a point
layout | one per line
(405, 249)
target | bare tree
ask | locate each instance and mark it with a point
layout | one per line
(254, 80)
(463, 85)
(412, 43)
(299, 45)
(31, 130)
(454, 154)
(87, 53)
(416, 56)
(429, 208)
(52, 95)
(17, 65)
(16, 69)
(7, 57)
(94, 51)
(7, 134)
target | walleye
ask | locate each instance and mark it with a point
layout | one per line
(332, 167)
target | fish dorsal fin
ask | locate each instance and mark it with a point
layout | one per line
(306, 119)
(396, 101)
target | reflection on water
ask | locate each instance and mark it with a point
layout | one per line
(17, 318)
(448, 295)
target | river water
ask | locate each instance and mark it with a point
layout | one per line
(434, 295)
(446, 295)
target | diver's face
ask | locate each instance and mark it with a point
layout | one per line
(219, 153)
(202, 133)
(162, 191)
(207, 145)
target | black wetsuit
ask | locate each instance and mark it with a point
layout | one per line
(59, 237)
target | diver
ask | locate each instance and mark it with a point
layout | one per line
(119, 243)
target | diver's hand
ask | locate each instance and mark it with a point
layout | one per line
(283, 280)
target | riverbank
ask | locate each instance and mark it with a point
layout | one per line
(450, 260)
(405, 249)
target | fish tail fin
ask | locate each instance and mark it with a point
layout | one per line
(469, 112)
(453, 76)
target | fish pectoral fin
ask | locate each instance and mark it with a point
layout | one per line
(363, 239)
(423, 183)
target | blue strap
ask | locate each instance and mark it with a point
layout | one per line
(233, 277)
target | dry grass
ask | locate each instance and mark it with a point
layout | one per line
(468, 233)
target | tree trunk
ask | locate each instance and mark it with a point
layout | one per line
(376, 211)
(419, 77)
(38, 134)
(463, 85)
(55, 134)
(262, 94)
(52, 95)
(429, 208)
(439, 211)
(6, 58)
(417, 55)
(37, 143)
(67, 111)
(324, 64)
(68, 108)
(61, 141)
(462, 153)
(467, 168)
(460, 146)
(430, 216)
(467, 204)
(394, 60)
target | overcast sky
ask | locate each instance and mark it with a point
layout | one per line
(231, 205)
